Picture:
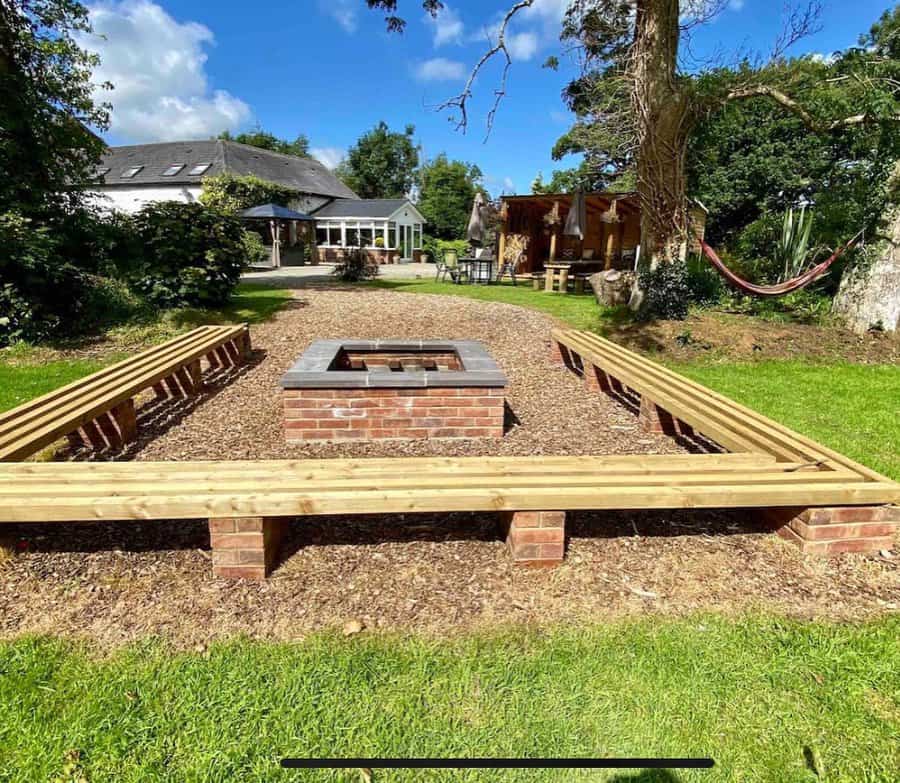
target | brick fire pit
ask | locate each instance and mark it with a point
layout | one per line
(374, 389)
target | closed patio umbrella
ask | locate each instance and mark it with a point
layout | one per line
(576, 220)
(475, 229)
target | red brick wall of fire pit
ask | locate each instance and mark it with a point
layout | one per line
(368, 414)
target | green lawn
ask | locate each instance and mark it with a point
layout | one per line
(26, 373)
(580, 311)
(765, 698)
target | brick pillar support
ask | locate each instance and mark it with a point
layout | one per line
(246, 547)
(836, 529)
(652, 418)
(126, 419)
(535, 538)
(559, 354)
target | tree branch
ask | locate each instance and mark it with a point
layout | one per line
(781, 98)
(460, 101)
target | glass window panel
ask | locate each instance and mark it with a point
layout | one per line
(366, 235)
(352, 236)
(321, 235)
(173, 170)
(130, 172)
(199, 169)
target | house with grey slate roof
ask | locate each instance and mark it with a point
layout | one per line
(131, 176)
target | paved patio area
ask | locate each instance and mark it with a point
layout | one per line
(302, 276)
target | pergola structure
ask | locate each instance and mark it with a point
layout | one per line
(281, 221)
(536, 223)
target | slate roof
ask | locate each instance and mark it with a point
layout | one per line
(267, 211)
(361, 207)
(306, 175)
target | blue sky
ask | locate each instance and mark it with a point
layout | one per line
(327, 68)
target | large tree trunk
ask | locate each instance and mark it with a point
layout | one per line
(661, 114)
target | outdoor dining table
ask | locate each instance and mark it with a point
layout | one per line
(478, 270)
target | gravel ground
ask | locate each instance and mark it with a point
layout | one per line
(116, 582)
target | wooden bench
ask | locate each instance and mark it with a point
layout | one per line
(99, 409)
(677, 405)
(247, 502)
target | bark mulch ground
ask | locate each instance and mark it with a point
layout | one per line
(116, 582)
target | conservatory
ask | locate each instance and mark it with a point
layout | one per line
(389, 229)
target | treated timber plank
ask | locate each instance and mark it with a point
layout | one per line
(52, 396)
(762, 430)
(62, 509)
(42, 427)
(689, 396)
(828, 454)
(12, 471)
(213, 486)
(100, 383)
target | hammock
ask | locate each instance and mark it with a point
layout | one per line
(780, 289)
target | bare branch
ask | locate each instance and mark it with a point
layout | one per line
(802, 21)
(460, 102)
(776, 95)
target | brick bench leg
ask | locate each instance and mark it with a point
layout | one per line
(560, 354)
(835, 529)
(652, 418)
(246, 547)
(535, 538)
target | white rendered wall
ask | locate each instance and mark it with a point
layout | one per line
(132, 199)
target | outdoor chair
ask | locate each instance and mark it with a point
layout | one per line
(448, 265)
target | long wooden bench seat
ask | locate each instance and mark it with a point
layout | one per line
(99, 408)
(667, 397)
(248, 501)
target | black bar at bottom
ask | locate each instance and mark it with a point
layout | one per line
(501, 763)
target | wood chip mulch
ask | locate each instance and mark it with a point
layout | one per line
(117, 582)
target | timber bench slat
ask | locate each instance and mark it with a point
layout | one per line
(183, 490)
(38, 423)
(712, 413)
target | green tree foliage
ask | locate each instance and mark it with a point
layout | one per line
(230, 193)
(299, 147)
(382, 164)
(191, 255)
(447, 189)
(46, 105)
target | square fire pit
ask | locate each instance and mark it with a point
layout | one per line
(373, 389)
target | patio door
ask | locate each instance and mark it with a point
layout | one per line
(406, 242)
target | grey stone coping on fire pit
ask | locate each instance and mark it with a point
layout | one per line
(311, 371)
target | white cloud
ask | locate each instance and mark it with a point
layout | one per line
(447, 26)
(158, 68)
(522, 46)
(330, 157)
(439, 69)
(508, 185)
(343, 12)
(735, 5)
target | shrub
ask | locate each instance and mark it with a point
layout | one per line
(666, 292)
(231, 193)
(254, 250)
(705, 284)
(39, 289)
(191, 255)
(355, 265)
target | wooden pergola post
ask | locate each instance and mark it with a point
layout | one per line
(554, 230)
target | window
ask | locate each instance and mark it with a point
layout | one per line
(353, 235)
(130, 172)
(199, 169)
(366, 236)
(173, 170)
(101, 172)
(322, 235)
(392, 235)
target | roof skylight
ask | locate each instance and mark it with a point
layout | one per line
(130, 172)
(199, 169)
(173, 170)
